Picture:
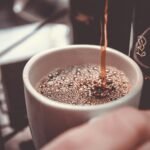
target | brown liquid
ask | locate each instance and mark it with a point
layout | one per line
(104, 43)
(81, 85)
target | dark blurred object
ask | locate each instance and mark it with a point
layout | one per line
(7, 16)
(28, 145)
(37, 10)
(20, 140)
(140, 51)
(1, 141)
(86, 16)
(12, 81)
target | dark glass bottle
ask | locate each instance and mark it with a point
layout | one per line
(140, 51)
(87, 14)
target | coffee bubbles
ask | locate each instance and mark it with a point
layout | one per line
(82, 85)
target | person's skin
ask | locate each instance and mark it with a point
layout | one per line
(123, 129)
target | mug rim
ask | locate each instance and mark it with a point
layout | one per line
(51, 103)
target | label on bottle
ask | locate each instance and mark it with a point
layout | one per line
(141, 52)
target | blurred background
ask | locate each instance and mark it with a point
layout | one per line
(30, 26)
(26, 27)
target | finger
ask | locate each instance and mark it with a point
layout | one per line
(122, 129)
(145, 146)
(126, 128)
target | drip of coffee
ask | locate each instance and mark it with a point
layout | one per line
(81, 85)
(104, 43)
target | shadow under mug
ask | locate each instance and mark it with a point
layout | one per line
(48, 118)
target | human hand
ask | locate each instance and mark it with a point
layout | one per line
(123, 129)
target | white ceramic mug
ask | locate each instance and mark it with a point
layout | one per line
(48, 118)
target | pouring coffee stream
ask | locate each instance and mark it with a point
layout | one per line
(104, 44)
